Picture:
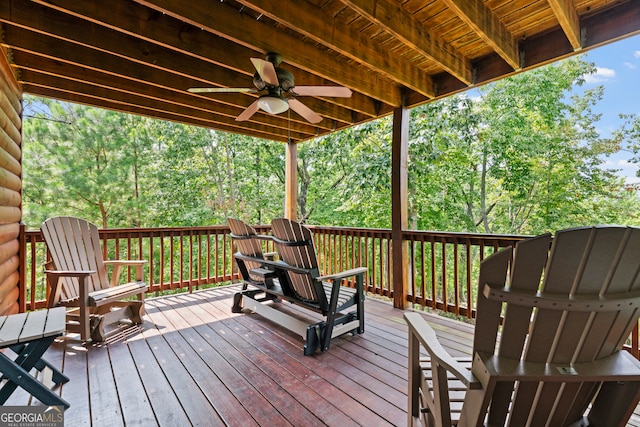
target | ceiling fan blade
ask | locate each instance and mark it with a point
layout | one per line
(266, 70)
(221, 90)
(333, 91)
(250, 111)
(304, 111)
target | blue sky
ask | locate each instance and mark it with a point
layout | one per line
(618, 70)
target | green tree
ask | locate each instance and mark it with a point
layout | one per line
(345, 177)
(128, 171)
(83, 160)
(524, 157)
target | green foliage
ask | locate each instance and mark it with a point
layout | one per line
(348, 177)
(522, 157)
(79, 159)
(128, 171)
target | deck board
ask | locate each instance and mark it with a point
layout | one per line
(193, 362)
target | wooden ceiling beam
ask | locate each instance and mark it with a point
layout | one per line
(311, 21)
(569, 20)
(85, 99)
(611, 24)
(606, 26)
(394, 19)
(111, 82)
(484, 23)
(22, 40)
(166, 46)
(105, 43)
(223, 20)
(154, 27)
(154, 107)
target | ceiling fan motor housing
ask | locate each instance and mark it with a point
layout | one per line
(285, 79)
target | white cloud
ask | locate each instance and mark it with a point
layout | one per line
(630, 180)
(630, 66)
(636, 53)
(623, 168)
(602, 74)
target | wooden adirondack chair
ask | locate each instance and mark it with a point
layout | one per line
(78, 279)
(556, 359)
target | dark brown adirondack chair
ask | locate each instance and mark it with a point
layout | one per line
(298, 280)
(323, 294)
(78, 279)
(556, 360)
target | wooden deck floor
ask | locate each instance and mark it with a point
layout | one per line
(193, 362)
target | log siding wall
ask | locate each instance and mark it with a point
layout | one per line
(10, 187)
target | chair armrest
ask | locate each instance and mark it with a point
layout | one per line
(343, 274)
(271, 256)
(243, 257)
(270, 262)
(427, 337)
(124, 262)
(53, 277)
(117, 267)
(70, 273)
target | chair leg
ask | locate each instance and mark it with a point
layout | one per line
(314, 337)
(360, 311)
(237, 303)
(137, 311)
(327, 331)
(97, 328)
(85, 312)
(360, 301)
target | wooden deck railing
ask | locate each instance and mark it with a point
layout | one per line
(443, 267)
(180, 258)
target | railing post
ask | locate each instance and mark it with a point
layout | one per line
(399, 214)
(22, 269)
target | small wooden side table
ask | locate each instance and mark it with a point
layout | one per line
(29, 335)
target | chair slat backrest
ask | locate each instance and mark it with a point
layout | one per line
(243, 233)
(581, 263)
(74, 244)
(245, 239)
(294, 243)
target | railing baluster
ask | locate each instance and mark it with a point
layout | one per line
(456, 281)
(468, 279)
(338, 249)
(423, 274)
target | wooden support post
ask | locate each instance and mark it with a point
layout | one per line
(399, 213)
(291, 182)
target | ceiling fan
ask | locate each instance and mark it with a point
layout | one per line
(278, 82)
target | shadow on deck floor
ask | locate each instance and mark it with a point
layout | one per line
(193, 362)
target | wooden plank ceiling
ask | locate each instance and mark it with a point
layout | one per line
(141, 56)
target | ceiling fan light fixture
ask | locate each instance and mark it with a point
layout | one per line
(273, 104)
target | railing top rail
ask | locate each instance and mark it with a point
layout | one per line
(422, 234)
(337, 229)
